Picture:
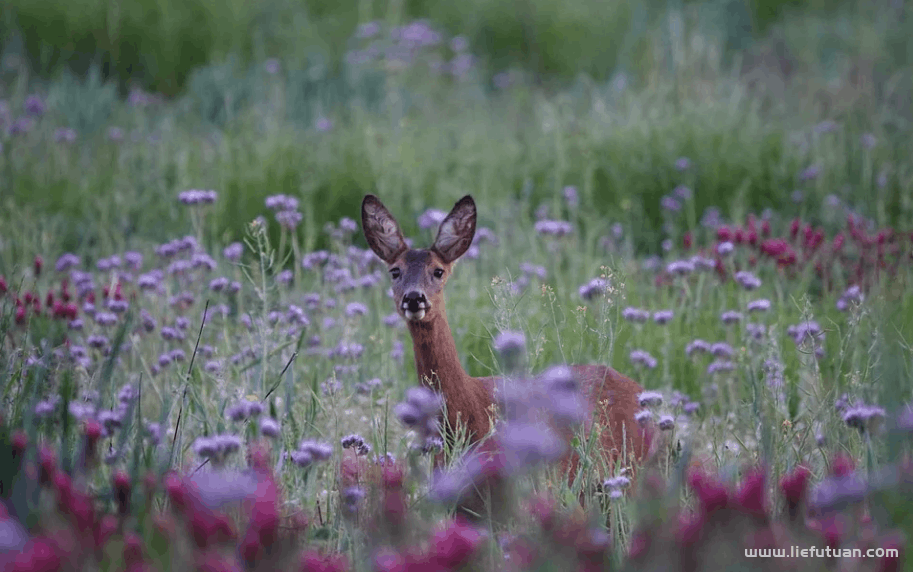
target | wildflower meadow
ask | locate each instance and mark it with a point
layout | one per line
(203, 365)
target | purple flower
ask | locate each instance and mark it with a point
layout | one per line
(281, 203)
(720, 365)
(680, 267)
(97, 341)
(703, 262)
(461, 65)
(617, 483)
(725, 248)
(431, 218)
(289, 219)
(367, 30)
(356, 442)
(682, 164)
(808, 330)
(34, 105)
(269, 427)
(641, 357)
(105, 318)
(636, 315)
(570, 195)
(643, 417)
(863, 417)
(852, 295)
(731, 317)
(510, 344)
(356, 309)
(666, 422)
(554, 228)
(197, 197)
(682, 192)
(65, 135)
(810, 173)
(459, 44)
(67, 261)
(529, 269)
(755, 331)
(271, 66)
(318, 451)
(650, 399)
(527, 444)
(868, 141)
(722, 349)
(747, 280)
(419, 411)
(398, 351)
(760, 305)
(593, 288)
(838, 492)
(698, 346)
(663, 317)
(691, 408)
(669, 203)
(233, 251)
(323, 124)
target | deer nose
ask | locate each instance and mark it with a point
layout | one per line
(415, 302)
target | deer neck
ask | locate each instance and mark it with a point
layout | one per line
(436, 356)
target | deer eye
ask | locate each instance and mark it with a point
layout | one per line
(438, 272)
(395, 272)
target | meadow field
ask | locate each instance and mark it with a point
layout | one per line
(202, 366)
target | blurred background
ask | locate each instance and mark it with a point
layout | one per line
(428, 97)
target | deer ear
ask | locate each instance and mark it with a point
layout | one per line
(456, 232)
(381, 231)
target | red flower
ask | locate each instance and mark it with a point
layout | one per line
(122, 489)
(38, 265)
(133, 549)
(842, 465)
(711, 493)
(794, 486)
(104, 529)
(313, 561)
(750, 497)
(775, 247)
(455, 545)
(690, 529)
(40, 555)
(794, 228)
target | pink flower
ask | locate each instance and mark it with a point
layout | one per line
(794, 486)
(711, 493)
(454, 546)
(40, 555)
(313, 561)
(750, 496)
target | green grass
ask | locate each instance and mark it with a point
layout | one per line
(419, 142)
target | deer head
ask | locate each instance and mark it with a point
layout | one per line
(419, 275)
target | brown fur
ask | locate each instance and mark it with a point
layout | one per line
(611, 396)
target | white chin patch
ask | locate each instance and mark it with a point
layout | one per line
(414, 315)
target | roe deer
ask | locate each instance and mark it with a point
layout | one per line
(419, 277)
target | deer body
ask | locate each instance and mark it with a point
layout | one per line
(419, 277)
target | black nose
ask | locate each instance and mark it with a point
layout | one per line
(415, 301)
